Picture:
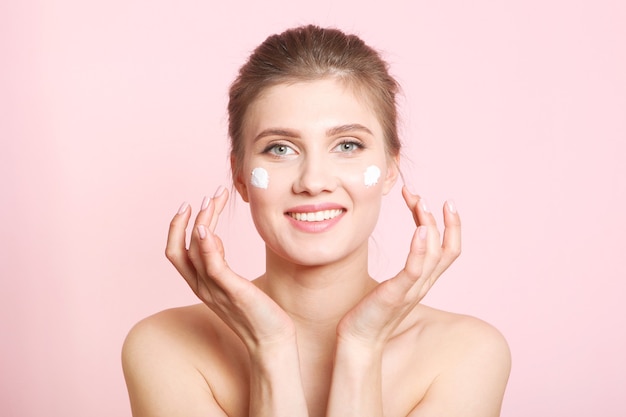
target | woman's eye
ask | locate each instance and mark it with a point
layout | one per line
(348, 147)
(280, 150)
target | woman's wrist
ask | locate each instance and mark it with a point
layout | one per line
(356, 388)
(275, 380)
(360, 345)
(358, 354)
(263, 355)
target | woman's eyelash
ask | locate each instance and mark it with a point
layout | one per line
(358, 144)
(282, 149)
(273, 149)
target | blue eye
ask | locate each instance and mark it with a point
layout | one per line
(348, 146)
(279, 150)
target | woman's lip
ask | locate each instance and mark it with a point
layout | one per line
(315, 226)
(312, 208)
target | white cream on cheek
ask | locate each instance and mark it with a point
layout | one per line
(371, 176)
(259, 178)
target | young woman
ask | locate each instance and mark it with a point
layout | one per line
(314, 149)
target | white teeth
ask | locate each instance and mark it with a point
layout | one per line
(316, 216)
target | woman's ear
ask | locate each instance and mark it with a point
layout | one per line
(393, 170)
(240, 184)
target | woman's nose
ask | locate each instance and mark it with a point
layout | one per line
(315, 177)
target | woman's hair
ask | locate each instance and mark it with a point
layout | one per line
(309, 53)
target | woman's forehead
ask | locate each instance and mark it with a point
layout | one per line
(321, 105)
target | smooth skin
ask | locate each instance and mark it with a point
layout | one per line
(314, 340)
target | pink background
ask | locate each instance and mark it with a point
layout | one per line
(113, 112)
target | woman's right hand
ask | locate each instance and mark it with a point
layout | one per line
(247, 310)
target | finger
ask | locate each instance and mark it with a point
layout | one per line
(419, 208)
(204, 225)
(213, 262)
(220, 198)
(203, 218)
(175, 249)
(205, 214)
(414, 264)
(421, 211)
(425, 253)
(451, 246)
(411, 202)
(439, 255)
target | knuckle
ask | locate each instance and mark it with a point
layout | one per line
(193, 256)
(449, 258)
(172, 254)
(173, 225)
(454, 252)
(216, 269)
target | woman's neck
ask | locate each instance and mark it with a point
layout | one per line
(317, 297)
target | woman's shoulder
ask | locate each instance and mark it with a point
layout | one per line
(456, 325)
(172, 325)
(181, 358)
(187, 329)
(449, 354)
(456, 332)
(461, 346)
(451, 341)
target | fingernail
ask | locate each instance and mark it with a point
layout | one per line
(219, 191)
(202, 231)
(183, 208)
(422, 232)
(424, 205)
(205, 203)
(451, 206)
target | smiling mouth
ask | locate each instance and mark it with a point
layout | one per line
(316, 216)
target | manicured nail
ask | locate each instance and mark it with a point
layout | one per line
(451, 206)
(205, 203)
(424, 205)
(201, 231)
(422, 232)
(183, 208)
(219, 192)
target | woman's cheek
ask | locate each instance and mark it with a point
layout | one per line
(260, 178)
(364, 177)
(371, 176)
(266, 183)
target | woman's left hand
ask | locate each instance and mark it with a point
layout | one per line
(373, 320)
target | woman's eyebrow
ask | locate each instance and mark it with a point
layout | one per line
(276, 132)
(337, 130)
(333, 131)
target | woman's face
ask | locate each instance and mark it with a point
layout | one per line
(314, 170)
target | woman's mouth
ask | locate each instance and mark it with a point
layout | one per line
(316, 216)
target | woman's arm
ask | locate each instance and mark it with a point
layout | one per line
(356, 388)
(264, 328)
(161, 377)
(276, 383)
(474, 382)
(471, 384)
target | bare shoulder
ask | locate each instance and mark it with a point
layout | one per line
(170, 360)
(472, 360)
(171, 328)
(460, 330)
